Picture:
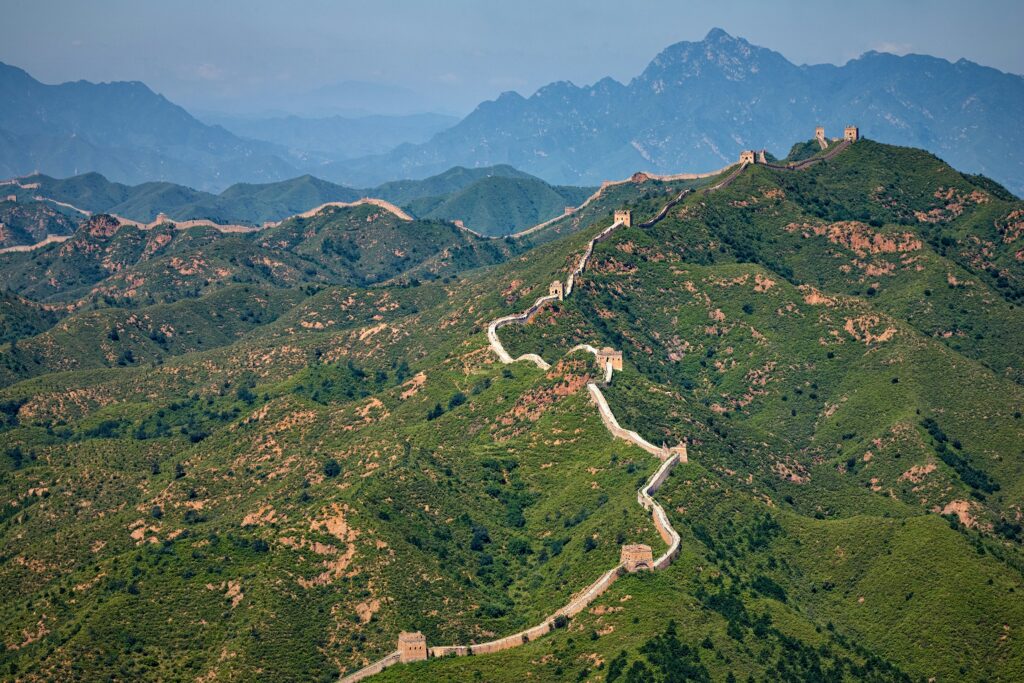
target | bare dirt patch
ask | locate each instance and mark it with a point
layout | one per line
(864, 329)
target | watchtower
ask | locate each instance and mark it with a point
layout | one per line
(851, 133)
(625, 217)
(412, 646)
(679, 450)
(162, 218)
(567, 210)
(555, 289)
(819, 133)
(747, 156)
(762, 156)
(636, 556)
(609, 356)
(12, 197)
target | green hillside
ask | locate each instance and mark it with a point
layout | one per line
(20, 317)
(500, 198)
(457, 178)
(498, 205)
(312, 447)
(23, 223)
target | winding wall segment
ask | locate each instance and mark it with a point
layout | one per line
(645, 495)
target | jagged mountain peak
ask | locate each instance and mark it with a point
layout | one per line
(718, 55)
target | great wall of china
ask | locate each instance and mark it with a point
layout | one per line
(412, 646)
(162, 218)
(633, 557)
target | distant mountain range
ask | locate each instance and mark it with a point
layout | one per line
(697, 104)
(123, 130)
(694, 107)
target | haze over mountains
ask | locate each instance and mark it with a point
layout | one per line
(699, 103)
(693, 108)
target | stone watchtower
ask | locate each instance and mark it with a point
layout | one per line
(609, 356)
(819, 133)
(555, 289)
(412, 646)
(567, 210)
(747, 156)
(679, 449)
(636, 556)
(625, 217)
(851, 133)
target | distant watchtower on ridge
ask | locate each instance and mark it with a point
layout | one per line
(851, 133)
(412, 646)
(747, 156)
(625, 217)
(555, 289)
(609, 356)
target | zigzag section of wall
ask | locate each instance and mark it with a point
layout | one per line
(669, 457)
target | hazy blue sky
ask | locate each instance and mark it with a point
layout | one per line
(254, 54)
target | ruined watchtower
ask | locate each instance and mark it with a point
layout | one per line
(851, 133)
(636, 556)
(679, 449)
(609, 356)
(625, 217)
(747, 156)
(412, 646)
(555, 289)
(819, 133)
(762, 156)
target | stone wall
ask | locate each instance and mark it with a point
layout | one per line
(612, 424)
(670, 457)
(371, 669)
(645, 496)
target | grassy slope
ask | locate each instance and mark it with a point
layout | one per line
(29, 222)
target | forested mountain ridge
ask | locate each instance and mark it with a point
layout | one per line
(459, 193)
